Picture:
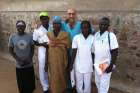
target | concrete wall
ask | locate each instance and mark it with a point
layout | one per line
(61, 5)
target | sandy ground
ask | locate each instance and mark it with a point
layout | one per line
(8, 79)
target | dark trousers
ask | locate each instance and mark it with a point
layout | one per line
(25, 79)
(69, 86)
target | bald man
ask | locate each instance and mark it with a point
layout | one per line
(73, 26)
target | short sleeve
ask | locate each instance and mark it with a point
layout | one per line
(113, 41)
(35, 35)
(11, 44)
(74, 42)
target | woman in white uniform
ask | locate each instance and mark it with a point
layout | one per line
(82, 58)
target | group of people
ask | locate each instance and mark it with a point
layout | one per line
(68, 53)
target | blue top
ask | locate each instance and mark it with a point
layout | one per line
(74, 31)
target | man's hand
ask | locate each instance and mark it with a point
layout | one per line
(24, 62)
(109, 68)
(93, 67)
(69, 68)
(44, 44)
(46, 68)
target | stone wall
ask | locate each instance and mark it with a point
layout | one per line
(62, 5)
(125, 24)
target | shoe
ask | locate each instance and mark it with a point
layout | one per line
(46, 91)
(69, 91)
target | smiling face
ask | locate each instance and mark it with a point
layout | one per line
(71, 15)
(20, 27)
(44, 20)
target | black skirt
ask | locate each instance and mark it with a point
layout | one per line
(25, 79)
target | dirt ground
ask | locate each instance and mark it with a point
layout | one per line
(8, 79)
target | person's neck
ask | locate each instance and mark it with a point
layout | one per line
(21, 34)
(46, 26)
(101, 32)
(85, 35)
(56, 32)
(72, 24)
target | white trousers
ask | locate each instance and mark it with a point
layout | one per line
(102, 82)
(83, 82)
(43, 75)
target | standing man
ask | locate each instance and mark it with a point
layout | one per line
(40, 39)
(21, 47)
(105, 49)
(72, 25)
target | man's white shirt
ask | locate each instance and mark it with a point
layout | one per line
(101, 47)
(83, 61)
(40, 35)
